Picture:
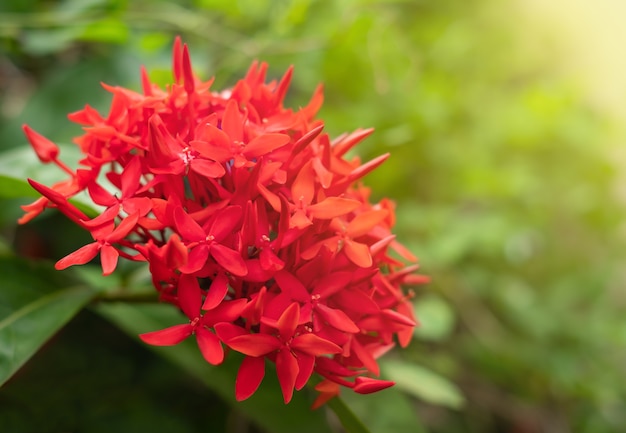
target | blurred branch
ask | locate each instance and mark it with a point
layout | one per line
(174, 17)
(132, 298)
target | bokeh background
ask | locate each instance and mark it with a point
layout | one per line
(505, 123)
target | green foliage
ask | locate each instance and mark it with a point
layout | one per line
(34, 305)
(423, 383)
(503, 176)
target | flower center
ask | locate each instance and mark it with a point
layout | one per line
(187, 155)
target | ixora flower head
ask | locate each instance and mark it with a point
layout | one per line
(252, 221)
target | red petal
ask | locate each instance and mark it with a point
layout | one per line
(332, 207)
(210, 346)
(340, 147)
(189, 296)
(86, 116)
(208, 168)
(225, 221)
(281, 89)
(251, 373)
(213, 144)
(130, 177)
(405, 336)
(299, 220)
(270, 261)
(271, 198)
(265, 144)
(187, 227)
(100, 195)
(312, 251)
(365, 356)
(303, 187)
(161, 143)
(254, 344)
(240, 161)
(367, 385)
(231, 260)
(108, 259)
(314, 104)
(146, 85)
(288, 321)
(217, 292)
(187, 72)
(337, 318)
(228, 331)
(367, 167)
(227, 311)
(292, 286)
(175, 252)
(177, 63)
(356, 300)
(45, 149)
(138, 205)
(59, 200)
(364, 222)
(403, 251)
(127, 225)
(79, 257)
(287, 371)
(327, 390)
(306, 364)
(381, 245)
(322, 164)
(168, 336)
(358, 253)
(313, 345)
(232, 122)
(398, 318)
(196, 259)
(104, 224)
(306, 139)
(332, 283)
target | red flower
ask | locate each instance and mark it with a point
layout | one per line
(189, 300)
(105, 238)
(295, 352)
(251, 222)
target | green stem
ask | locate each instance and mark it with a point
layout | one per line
(133, 298)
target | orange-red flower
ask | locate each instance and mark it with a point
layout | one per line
(251, 221)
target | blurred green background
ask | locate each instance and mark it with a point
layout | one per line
(505, 167)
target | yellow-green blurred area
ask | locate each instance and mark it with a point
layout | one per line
(504, 124)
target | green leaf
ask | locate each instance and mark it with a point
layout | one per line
(22, 163)
(108, 30)
(19, 164)
(12, 187)
(436, 318)
(265, 407)
(350, 422)
(39, 42)
(387, 411)
(422, 383)
(34, 305)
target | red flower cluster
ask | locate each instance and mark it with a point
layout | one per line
(252, 222)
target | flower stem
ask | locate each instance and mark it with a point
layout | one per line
(133, 298)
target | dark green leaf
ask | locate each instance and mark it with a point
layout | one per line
(34, 305)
